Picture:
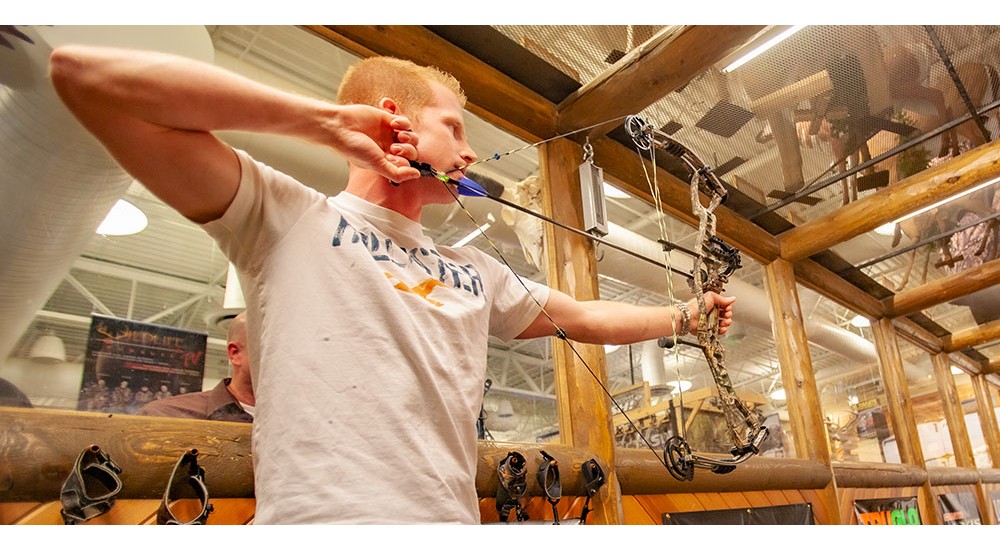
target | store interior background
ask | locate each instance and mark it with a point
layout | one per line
(171, 273)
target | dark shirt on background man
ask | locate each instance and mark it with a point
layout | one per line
(214, 404)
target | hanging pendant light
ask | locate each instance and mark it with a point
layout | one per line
(48, 348)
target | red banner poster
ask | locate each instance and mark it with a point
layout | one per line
(129, 363)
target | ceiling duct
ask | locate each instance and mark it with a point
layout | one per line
(58, 181)
(752, 303)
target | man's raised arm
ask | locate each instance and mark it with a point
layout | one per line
(155, 112)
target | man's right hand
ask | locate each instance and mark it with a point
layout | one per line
(375, 139)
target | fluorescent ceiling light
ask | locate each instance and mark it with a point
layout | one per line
(123, 219)
(888, 229)
(476, 232)
(762, 48)
(614, 192)
(233, 297)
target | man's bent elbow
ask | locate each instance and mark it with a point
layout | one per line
(69, 70)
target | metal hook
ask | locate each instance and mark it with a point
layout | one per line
(588, 151)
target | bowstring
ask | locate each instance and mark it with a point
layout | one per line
(498, 156)
(560, 332)
(654, 190)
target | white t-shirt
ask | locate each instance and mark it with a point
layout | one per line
(368, 346)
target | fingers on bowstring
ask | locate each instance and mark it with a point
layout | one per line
(407, 136)
(404, 151)
(398, 169)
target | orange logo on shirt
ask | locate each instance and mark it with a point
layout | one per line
(423, 289)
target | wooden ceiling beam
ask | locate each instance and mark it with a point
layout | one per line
(818, 278)
(493, 96)
(917, 335)
(907, 329)
(943, 290)
(899, 199)
(970, 337)
(664, 63)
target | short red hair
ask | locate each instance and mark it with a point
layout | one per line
(405, 82)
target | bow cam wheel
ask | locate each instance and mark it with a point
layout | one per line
(677, 455)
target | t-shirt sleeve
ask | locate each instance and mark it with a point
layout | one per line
(518, 301)
(267, 204)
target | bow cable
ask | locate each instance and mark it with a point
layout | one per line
(654, 190)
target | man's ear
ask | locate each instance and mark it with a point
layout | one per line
(389, 105)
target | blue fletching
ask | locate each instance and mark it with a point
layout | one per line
(470, 188)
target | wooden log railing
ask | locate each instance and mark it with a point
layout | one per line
(38, 448)
(873, 475)
(953, 476)
(640, 472)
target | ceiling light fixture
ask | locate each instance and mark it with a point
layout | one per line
(48, 348)
(680, 385)
(890, 228)
(476, 232)
(778, 394)
(123, 219)
(860, 321)
(762, 48)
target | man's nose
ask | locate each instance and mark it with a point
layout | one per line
(468, 155)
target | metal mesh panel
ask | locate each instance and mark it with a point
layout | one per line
(581, 52)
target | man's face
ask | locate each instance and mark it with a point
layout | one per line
(443, 145)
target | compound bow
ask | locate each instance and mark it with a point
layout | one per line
(714, 262)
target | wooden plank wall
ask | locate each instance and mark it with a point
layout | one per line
(649, 509)
(227, 511)
(638, 509)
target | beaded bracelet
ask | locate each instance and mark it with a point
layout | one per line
(685, 319)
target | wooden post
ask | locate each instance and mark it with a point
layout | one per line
(804, 410)
(952, 405)
(987, 417)
(904, 425)
(584, 407)
(961, 446)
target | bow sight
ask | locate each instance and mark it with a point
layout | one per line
(714, 262)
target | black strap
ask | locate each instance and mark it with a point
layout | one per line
(512, 472)
(548, 478)
(593, 477)
(196, 480)
(93, 467)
